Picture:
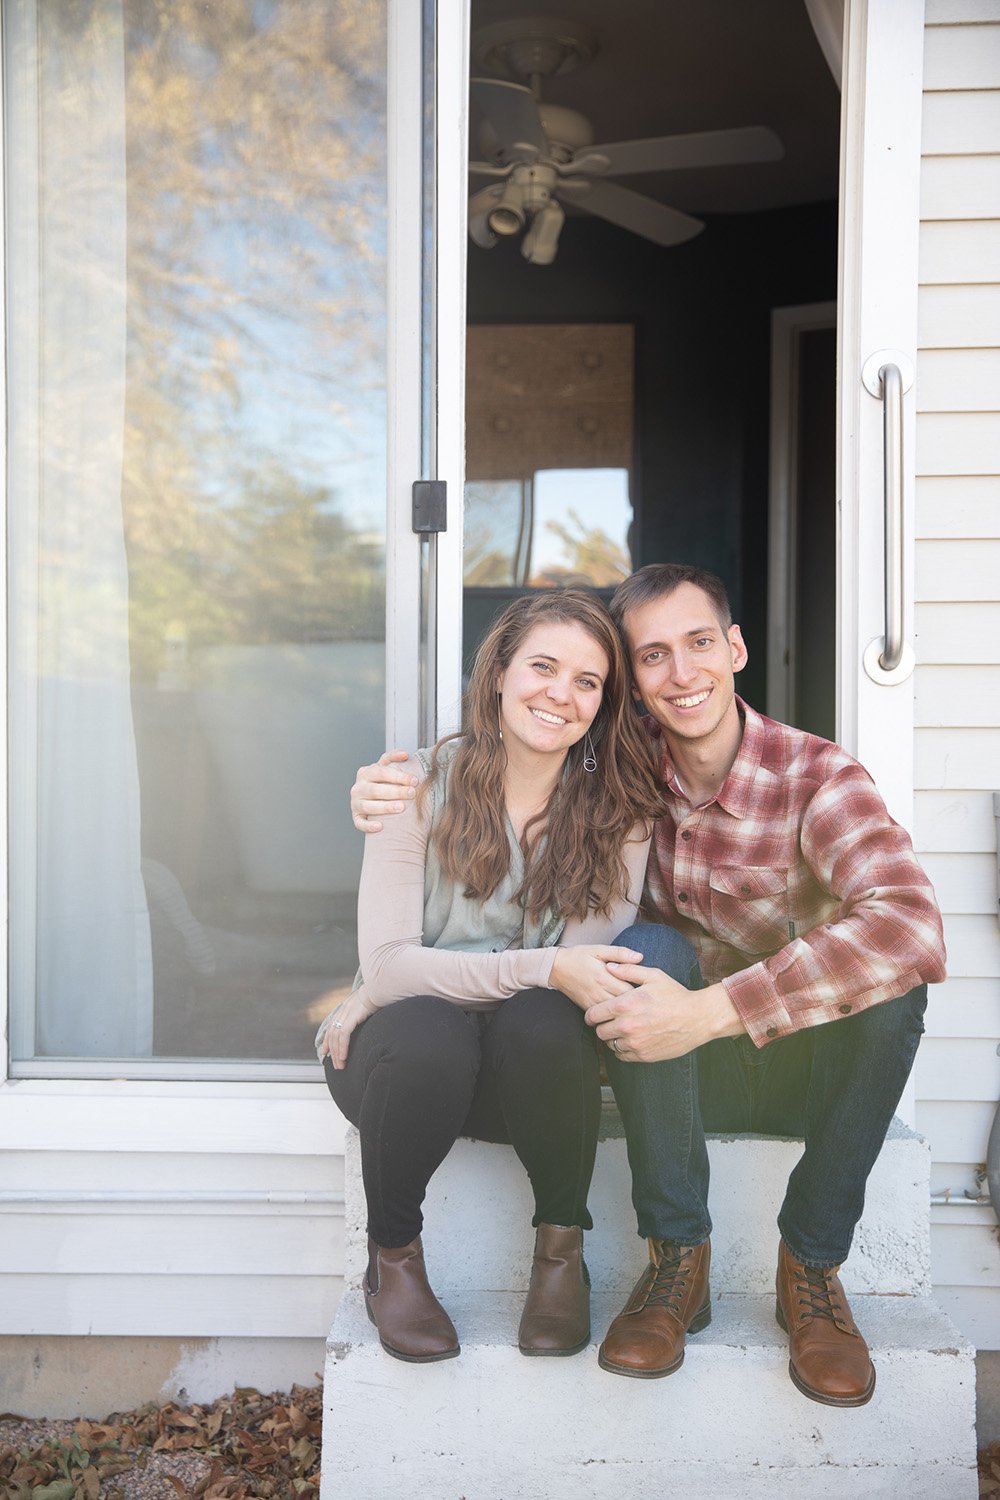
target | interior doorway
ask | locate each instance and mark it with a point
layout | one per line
(802, 603)
(694, 276)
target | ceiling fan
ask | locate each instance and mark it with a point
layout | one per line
(542, 155)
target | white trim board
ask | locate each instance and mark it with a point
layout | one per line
(266, 1120)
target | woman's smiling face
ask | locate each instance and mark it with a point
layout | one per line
(552, 689)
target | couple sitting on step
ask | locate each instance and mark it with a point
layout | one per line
(779, 985)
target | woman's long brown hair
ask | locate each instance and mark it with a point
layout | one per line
(579, 865)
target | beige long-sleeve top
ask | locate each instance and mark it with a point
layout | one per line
(419, 935)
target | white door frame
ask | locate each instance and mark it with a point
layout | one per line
(404, 358)
(788, 324)
(428, 193)
(877, 299)
(451, 245)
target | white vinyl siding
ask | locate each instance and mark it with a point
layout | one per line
(220, 1218)
(957, 625)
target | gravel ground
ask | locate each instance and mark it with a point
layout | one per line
(243, 1445)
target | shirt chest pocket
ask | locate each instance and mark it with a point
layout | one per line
(750, 907)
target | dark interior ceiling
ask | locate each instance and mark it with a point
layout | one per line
(672, 66)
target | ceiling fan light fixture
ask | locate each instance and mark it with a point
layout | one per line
(542, 239)
(508, 216)
(506, 219)
(480, 205)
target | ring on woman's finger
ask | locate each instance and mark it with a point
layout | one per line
(614, 1042)
(337, 1025)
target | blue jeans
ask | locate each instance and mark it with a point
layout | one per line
(837, 1085)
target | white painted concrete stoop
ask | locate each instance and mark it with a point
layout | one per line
(492, 1425)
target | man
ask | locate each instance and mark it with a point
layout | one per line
(816, 933)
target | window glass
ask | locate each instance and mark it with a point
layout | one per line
(561, 527)
(196, 202)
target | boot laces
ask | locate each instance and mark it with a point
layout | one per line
(819, 1298)
(669, 1282)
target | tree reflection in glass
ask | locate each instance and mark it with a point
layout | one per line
(244, 142)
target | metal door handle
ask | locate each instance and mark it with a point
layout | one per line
(892, 500)
(889, 658)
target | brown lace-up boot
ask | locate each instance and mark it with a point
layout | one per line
(829, 1360)
(670, 1299)
(556, 1317)
(411, 1322)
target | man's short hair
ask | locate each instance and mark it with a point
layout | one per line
(657, 580)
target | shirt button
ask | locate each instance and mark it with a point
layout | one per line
(745, 890)
(685, 833)
(682, 895)
(845, 1010)
(772, 1031)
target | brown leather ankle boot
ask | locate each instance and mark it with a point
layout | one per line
(828, 1358)
(670, 1300)
(556, 1317)
(411, 1322)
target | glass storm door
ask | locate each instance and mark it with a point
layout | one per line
(226, 227)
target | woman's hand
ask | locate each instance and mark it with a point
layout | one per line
(582, 973)
(342, 1020)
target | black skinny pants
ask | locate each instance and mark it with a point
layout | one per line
(422, 1072)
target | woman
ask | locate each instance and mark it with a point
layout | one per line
(482, 913)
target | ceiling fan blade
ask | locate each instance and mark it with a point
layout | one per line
(511, 110)
(654, 221)
(489, 169)
(667, 153)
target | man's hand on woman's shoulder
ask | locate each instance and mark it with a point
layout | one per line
(381, 789)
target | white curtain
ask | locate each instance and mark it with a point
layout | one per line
(81, 955)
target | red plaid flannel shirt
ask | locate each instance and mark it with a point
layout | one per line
(794, 885)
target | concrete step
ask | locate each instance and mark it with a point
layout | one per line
(477, 1217)
(492, 1425)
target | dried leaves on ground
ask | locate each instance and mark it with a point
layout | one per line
(242, 1446)
(989, 1472)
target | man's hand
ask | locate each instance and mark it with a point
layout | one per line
(380, 789)
(661, 1018)
(583, 975)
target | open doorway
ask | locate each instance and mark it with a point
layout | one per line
(683, 439)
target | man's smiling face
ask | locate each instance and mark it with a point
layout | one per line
(683, 661)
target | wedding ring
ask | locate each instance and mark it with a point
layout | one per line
(614, 1044)
(337, 1025)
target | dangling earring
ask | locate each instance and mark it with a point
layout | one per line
(589, 758)
(499, 718)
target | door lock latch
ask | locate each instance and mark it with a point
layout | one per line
(430, 505)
